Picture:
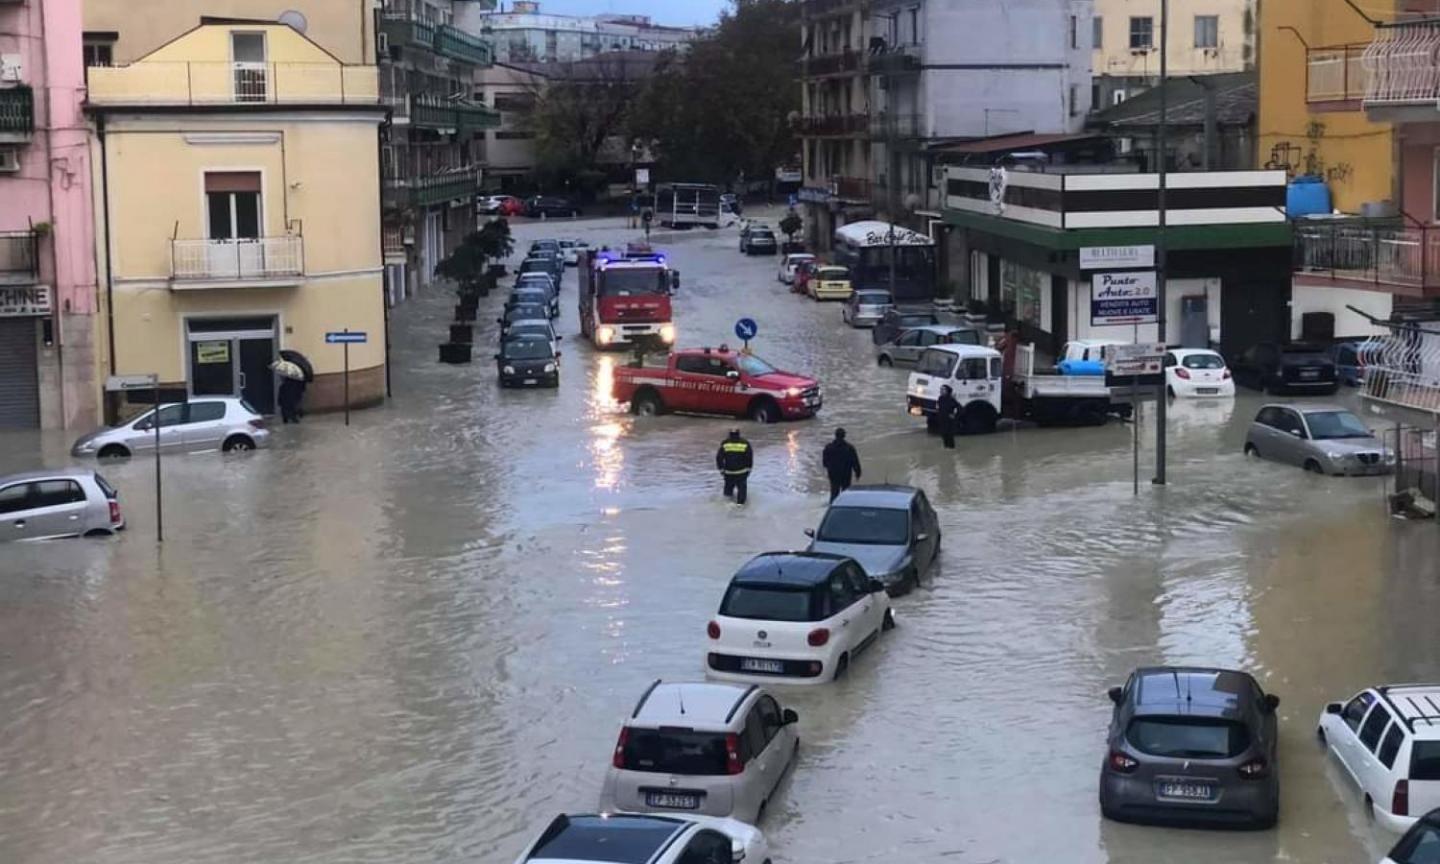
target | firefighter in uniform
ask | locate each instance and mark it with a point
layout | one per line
(734, 459)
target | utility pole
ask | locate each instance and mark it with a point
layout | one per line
(891, 162)
(1160, 136)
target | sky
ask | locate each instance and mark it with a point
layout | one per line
(674, 12)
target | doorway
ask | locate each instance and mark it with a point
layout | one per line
(232, 357)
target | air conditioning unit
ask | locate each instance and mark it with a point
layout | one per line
(9, 161)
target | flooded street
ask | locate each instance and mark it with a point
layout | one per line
(414, 639)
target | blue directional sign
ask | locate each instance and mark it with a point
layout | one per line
(746, 328)
(350, 336)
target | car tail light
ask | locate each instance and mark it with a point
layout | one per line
(257, 423)
(1182, 372)
(733, 763)
(1400, 802)
(114, 512)
(1255, 769)
(1122, 764)
(712, 630)
(819, 636)
(1225, 376)
(619, 758)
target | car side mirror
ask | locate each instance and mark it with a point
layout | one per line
(921, 537)
(558, 337)
(1334, 708)
(1116, 694)
(876, 586)
(733, 375)
(144, 426)
(1271, 703)
(788, 716)
(810, 532)
(1297, 433)
(557, 355)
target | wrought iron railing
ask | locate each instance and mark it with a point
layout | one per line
(1380, 253)
(211, 83)
(258, 258)
(19, 256)
(831, 64)
(833, 124)
(1402, 368)
(17, 111)
(1401, 66)
(459, 45)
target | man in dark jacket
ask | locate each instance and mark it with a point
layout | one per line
(841, 463)
(947, 412)
(734, 460)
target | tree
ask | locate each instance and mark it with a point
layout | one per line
(580, 106)
(791, 225)
(466, 266)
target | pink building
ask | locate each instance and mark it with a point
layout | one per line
(48, 297)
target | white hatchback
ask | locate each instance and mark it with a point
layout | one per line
(795, 618)
(1197, 372)
(789, 263)
(1388, 740)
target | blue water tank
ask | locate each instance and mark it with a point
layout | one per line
(1307, 196)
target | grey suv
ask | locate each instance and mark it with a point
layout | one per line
(1191, 745)
(891, 530)
(715, 749)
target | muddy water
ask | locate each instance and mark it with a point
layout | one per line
(413, 639)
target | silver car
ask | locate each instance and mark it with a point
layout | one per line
(907, 346)
(865, 308)
(709, 748)
(69, 502)
(1325, 439)
(207, 423)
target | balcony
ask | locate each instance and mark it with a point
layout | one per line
(403, 29)
(833, 125)
(459, 45)
(430, 188)
(898, 60)
(259, 263)
(824, 8)
(1402, 373)
(1335, 74)
(1403, 71)
(19, 257)
(465, 118)
(219, 83)
(846, 62)
(904, 126)
(1355, 251)
(17, 114)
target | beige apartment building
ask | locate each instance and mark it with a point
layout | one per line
(1206, 37)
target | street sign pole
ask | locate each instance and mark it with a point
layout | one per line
(346, 345)
(1161, 262)
(159, 509)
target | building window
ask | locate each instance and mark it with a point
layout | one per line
(1142, 33)
(1074, 32)
(232, 199)
(1207, 31)
(915, 25)
(1097, 32)
(1074, 100)
(247, 54)
(98, 49)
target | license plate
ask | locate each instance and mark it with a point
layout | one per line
(813, 402)
(751, 664)
(1187, 791)
(1309, 373)
(1207, 391)
(672, 800)
(532, 380)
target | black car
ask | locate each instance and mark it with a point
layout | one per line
(1420, 845)
(533, 295)
(1191, 745)
(528, 362)
(551, 205)
(523, 312)
(1276, 368)
(554, 263)
(896, 320)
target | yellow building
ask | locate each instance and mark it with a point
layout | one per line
(119, 31)
(237, 193)
(1207, 37)
(1312, 84)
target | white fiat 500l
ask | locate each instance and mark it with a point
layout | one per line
(613, 838)
(795, 618)
(1197, 372)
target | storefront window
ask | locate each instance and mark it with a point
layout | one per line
(1020, 288)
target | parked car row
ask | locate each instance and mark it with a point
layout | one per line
(535, 206)
(529, 351)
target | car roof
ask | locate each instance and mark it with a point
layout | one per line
(1417, 704)
(640, 838)
(1195, 690)
(47, 474)
(521, 322)
(1306, 408)
(901, 311)
(689, 703)
(802, 569)
(889, 496)
(966, 350)
(941, 328)
(1097, 343)
(1186, 352)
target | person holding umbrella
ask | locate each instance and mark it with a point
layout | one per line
(292, 387)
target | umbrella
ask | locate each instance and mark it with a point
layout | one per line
(286, 369)
(299, 360)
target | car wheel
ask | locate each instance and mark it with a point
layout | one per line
(98, 532)
(1170, 391)
(980, 419)
(1320, 736)
(889, 623)
(238, 444)
(113, 451)
(1313, 467)
(842, 667)
(884, 360)
(1251, 450)
(647, 404)
(764, 411)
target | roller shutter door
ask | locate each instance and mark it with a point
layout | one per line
(19, 381)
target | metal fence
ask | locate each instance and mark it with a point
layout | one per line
(1416, 465)
(209, 83)
(257, 258)
(1402, 367)
(1369, 252)
(1400, 64)
(1336, 74)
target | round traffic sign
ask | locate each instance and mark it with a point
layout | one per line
(746, 328)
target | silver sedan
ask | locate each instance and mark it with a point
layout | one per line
(1325, 439)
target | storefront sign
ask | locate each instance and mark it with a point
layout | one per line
(23, 300)
(1116, 257)
(1124, 298)
(642, 176)
(1143, 359)
(811, 195)
(212, 352)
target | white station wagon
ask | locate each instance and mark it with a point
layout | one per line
(1388, 739)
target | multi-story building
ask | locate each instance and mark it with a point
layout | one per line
(237, 182)
(885, 80)
(510, 155)
(47, 262)
(524, 34)
(1206, 37)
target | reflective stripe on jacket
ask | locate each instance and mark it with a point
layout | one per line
(734, 457)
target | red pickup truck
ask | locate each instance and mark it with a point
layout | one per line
(717, 381)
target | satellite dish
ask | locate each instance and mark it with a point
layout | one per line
(295, 20)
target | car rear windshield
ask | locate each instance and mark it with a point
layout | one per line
(873, 298)
(1425, 760)
(613, 840)
(769, 603)
(675, 751)
(1335, 424)
(106, 488)
(834, 273)
(1202, 361)
(870, 525)
(1188, 737)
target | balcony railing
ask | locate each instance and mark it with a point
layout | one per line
(1401, 65)
(404, 29)
(883, 124)
(425, 189)
(898, 60)
(218, 83)
(1378, 253)
(831, 64)
(459, 45)
(464, 117)
(1403, 368)
(1336, 74)
(19, 257)
(833, 125)
(17, 112)
(260, 259)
